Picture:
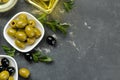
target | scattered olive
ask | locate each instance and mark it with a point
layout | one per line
(1, 68)
(5, 62)
(11, 70)
(51, 40)
(28, 57)
(24, 72)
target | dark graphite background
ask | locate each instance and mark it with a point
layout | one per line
(89, 51)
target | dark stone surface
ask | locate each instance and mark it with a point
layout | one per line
(90, 50)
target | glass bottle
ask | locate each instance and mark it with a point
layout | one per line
(45, 5)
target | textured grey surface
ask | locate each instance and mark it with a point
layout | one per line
(90, 50)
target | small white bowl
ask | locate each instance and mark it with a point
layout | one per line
(7, 6)
(13, 63)
(11, 40)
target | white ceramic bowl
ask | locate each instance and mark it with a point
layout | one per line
(11, 40)
(13, 63)
(7, 6)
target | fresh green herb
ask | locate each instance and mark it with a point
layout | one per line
(42, 18)
(68, 5)
(54, 25)
(63, 27)
(9, 51)
(46, 59)
(38, 56)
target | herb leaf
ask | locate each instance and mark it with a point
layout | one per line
(63, 28)
(46, 59)
(36, 56)
(42, 18)
(68, 5)
(56, 25)
(52, 25)
(9, 51)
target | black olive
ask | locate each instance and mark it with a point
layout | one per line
(11, 70)
(5, 62)
(51, 40)
(1, 68)
(28, 57)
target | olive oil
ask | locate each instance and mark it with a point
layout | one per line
(3, 1)
(45, 5)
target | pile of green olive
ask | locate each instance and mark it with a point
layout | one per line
(6, 71)
(24, 31)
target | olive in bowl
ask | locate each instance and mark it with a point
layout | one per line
(23, 31)
(8, 68)
(6, 5)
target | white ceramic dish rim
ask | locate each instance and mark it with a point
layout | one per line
(7, 37)
(7, 6)
(13, 62)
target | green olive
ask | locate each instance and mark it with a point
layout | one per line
(21, 23)
(30, 41)
(29, 31)
(37, 32)
(4, 75)
(11, 78)
(24, 72)
(11, 32)
(20, 44)
(22, 16)
(13, 23)
(3, 1)
(20, 35)
(31, 22)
